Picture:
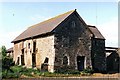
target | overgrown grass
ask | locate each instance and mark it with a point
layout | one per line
(19, 71)
(86, 72)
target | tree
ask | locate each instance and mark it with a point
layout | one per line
(3, 51)
(7, 62)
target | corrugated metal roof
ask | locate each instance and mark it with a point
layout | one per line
(95, 32)
(43, 27)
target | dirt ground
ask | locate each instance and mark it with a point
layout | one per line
(106, 75)
(95, 76)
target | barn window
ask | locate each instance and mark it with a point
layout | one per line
(73, 24)
(34, 46)
(29, 45)
(65, 60)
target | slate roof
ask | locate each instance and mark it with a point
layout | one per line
(43, 27)
(95, 32)
(10, 49)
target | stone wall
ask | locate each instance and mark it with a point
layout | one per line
(18, 47)
(28, 48)
(17, 52)
(98, 55)
(72, 39)
(44, 48)
(113, 61)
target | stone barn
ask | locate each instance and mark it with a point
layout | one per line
(62, 41)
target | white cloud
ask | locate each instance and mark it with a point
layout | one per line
(110, 31)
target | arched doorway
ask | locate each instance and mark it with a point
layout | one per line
(80, 62)
(65, 60)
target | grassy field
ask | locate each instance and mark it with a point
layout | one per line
(22, 72)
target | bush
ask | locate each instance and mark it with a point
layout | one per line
(30, 72)
(16, 68)
(13, 72)
(9, 74)
(86, 72)
(66, 70)
(7, 62)
(73, 72)
(18, 71)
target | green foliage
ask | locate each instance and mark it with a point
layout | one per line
(9, 74)
(7, 62)
(73, 72)
(30, 72)
(67, 70)
(62, 71)
(0, 63)
(23, 71)
(16, 72)
(16, 69)
(3, 51)
(86, 72)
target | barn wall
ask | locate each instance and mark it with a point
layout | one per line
(113, 62)
(98, 55)
(17, 52)
(27, 52)
(72, 39)
(45, 48)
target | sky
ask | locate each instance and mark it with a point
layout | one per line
(16, 17)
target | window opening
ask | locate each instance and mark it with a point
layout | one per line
(65, 60)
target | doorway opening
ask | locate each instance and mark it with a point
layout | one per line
(80, 62)
(33, 60)
(44, 66)
(34, 55)
(22, 57)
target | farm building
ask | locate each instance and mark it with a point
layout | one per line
(62, 41)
